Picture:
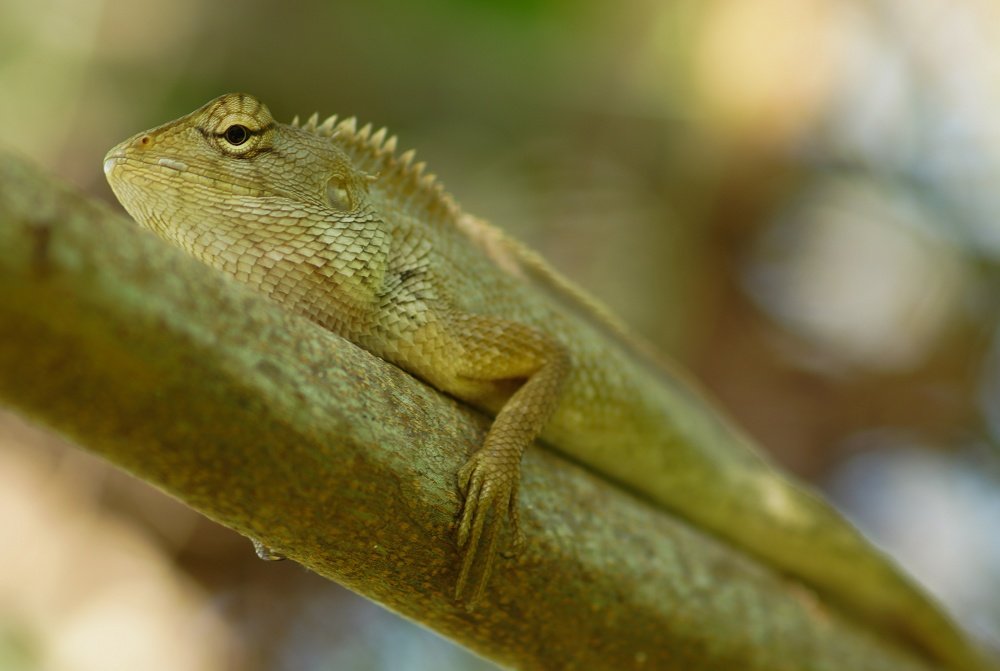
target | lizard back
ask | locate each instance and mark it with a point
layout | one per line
(635, 417)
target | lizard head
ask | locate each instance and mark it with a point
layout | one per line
(226, 157)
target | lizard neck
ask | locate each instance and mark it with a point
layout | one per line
(327, 265)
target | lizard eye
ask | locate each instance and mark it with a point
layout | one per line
(237, 134)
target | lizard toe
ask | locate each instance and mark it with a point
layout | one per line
(488, 502)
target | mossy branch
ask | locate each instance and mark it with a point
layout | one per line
(284, 432)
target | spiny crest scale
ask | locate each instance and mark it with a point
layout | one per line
(326, 128)
(406, 158)
(408, 178)
(349, 126)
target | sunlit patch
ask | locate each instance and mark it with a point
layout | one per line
(765, 71)
(861, 272)
(782, 502)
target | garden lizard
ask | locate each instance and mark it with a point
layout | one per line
(329, 220)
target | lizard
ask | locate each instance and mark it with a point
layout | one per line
(330, 221)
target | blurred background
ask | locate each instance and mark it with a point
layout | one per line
(797, 199)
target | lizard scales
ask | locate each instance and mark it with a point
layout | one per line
(330, 221)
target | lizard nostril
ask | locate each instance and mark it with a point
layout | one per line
(144, 141)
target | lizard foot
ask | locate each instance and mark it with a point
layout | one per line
(489, 489)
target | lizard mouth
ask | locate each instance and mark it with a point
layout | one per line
(116, 158)
(123, 164)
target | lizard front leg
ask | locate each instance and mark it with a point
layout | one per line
(521, 370)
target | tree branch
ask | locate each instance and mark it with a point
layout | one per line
(285, 432)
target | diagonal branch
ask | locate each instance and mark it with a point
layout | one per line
(284, 432)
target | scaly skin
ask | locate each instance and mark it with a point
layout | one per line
(330, 222)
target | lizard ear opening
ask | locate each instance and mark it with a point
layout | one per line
(338, 195)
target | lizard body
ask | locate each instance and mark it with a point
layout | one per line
(330, 221)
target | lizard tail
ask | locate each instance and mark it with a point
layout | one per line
(827, 552)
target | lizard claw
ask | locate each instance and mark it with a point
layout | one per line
(519, 541)
(489, 489)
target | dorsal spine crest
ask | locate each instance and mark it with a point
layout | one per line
(327, 127)
(378, 157)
